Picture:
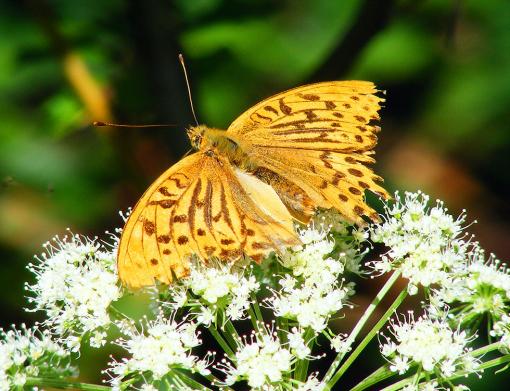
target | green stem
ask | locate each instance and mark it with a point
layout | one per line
(383, 372)
(302, 365)
(231, 335)
(361, 322)
(486, 365)
(486, 349)
(253, 319)
(189, 381)
(371, 334)
(64, 384)
(258, 312)
(380, 374)
(221, 342)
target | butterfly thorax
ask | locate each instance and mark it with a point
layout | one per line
(204, 138)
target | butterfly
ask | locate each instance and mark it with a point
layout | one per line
(242, 190)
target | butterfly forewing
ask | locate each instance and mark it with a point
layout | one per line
(199, 206)
(324, 116)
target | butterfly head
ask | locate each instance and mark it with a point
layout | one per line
(196, 135)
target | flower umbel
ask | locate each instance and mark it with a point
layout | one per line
(313, 291)
(76, 281)
(304, 292)
(424, 243)
(262, 360)
(161, 346)
(30, 352)
(213, 289)
(429, 343)
(480, 291)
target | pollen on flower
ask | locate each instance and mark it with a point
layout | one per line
(75, 283)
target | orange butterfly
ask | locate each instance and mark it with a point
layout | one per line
(241, 191)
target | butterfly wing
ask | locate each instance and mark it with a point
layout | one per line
(201, 206)
(319, 137)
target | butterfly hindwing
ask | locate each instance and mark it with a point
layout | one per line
(330, 179)
(200, 206)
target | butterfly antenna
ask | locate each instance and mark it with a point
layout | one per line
(181, 60)
(101, 123)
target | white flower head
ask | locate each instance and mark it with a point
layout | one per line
(212, 288)
(313, 291)
(30, 352)
(262, 360)
(481, 290)
(424, 242)
(340, 344)
(161, 346)
(430, 343)
(76, 281)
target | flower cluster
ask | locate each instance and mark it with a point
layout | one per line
(162, 346)
(302, 289)
(424, 243)
(480, 290)
(429, 343)
(76, 282)
(312, 292)
(265, 362)
(217, 288)
(30, 353)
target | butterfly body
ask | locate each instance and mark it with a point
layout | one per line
(241, 191)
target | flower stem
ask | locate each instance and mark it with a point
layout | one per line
(302, 365)
(486, 365)
(486, 349)
(380, 374)
(231, 335)
(253, 319)
(189, 381)
(64, 384)
(383, 372)
(361, 322)
(221, 341)
(371, 334)
(256, 307)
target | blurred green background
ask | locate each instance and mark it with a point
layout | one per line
(64, 63)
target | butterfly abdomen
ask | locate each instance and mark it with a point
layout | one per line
(295, 199)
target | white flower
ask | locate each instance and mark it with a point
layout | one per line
(311, 384)
(76, 282)
(431, 343)
(425, 243)
(212, 288)
(339, 343)
(297, 344)
(28, 352)
(261, 360)
(481, 289)
(313, 292)
(161, 346)
(332, 220)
